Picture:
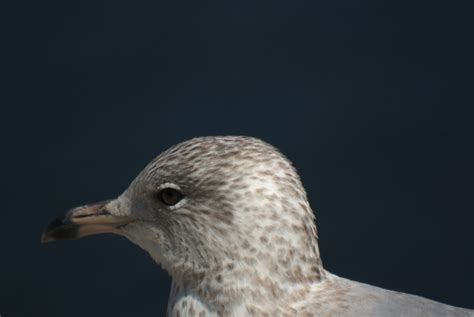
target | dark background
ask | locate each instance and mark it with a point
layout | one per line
(371, 100)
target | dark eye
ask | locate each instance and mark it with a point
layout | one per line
(170, 196)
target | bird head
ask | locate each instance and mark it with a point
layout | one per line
(206, 203)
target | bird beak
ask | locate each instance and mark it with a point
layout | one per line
(84, 221)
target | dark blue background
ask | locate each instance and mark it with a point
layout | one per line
(371, 100)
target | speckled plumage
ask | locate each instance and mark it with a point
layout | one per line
(243, 241)
(245, 221)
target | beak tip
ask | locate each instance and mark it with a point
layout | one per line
(45, 238)
(59, 229)
(47, 234)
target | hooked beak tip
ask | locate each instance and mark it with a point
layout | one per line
(61, 228)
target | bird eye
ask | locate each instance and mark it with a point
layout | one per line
(170, 196)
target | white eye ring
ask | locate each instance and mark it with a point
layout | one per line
(175, 187)
(168, 185)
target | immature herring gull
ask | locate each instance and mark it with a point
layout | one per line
(229, 219)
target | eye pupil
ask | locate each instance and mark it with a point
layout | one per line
(170, 196)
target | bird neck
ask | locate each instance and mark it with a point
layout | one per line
(234, 288)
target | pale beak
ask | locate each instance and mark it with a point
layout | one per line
(84, 221)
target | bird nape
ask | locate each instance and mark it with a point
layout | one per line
(229, 219)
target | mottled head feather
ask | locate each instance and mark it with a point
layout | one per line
(245, 218)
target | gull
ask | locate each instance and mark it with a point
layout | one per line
(228, 218)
